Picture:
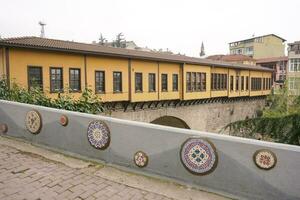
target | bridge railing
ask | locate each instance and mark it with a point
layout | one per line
(232, 166)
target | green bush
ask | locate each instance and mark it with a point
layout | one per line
(279, 122)
(87, 102)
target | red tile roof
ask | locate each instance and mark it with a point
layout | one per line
(91, 49)
(272, 59)
(231, 57)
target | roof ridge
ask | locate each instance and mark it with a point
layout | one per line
(17, 38)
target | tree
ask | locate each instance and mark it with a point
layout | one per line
(119, 40)
(202, 52)
(280, 121)
(102, 40)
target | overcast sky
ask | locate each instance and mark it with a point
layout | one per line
(180, 25)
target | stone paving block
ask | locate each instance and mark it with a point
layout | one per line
(28, 177)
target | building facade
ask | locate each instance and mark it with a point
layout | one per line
(265, 46)
(279, 66)
(122, 75)
(293, 73)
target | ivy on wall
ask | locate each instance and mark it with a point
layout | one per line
(87, 102)
(280, 120)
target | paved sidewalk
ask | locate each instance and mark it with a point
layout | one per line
(26, 175)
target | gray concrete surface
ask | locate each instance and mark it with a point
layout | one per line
(28, 172)
(236, 175)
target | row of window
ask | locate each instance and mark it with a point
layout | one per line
(152, 82)
(294, 65)
(35, 79)
(218, 81)
(195, 81)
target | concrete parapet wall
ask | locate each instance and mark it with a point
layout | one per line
(235, 175)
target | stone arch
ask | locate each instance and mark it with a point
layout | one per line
(171, 121)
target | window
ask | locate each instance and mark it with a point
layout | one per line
(194, 83)
(203, 82)
(242, 83)
(152, 82)
(175, 82)
(35, 77)
(99, 81)
(218, 81)
(188, 82)
(294, 84)
(247, 82)
(237, 82)
(294, 64)
(74, 80)
(138, 82)
(256, 84)
(117, 81)
(231, 83)
(198, 81)
(164, 82)
(56, 79)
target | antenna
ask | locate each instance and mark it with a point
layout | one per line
(42, 24)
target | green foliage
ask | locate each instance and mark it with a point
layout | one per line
(87, 102)
(280, 121)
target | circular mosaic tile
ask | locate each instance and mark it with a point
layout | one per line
(98, 134)
(198, 156)
(3, 128)
(265, 159)
(141, 159)
(33, 121)
(64, 120)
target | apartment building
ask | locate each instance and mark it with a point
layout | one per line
(293, 73)
(265, 46)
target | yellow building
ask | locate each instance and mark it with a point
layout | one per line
(265, 46)
(122, 75)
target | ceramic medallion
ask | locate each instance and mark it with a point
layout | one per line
(63, 120)
(98, 134)
(140, 159)
(33, 121)
(3, 128)
(265, 159)
(198, 156)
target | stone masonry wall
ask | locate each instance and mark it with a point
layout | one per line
(210, 117)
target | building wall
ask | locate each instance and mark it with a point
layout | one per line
(108, 65)
(219, 93)
(170, 69)
(255, 75)
(20, 59)
(144, 67)
(201, 94)
(270, 47)
(293, 77)
(2, 62)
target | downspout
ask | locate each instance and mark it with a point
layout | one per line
(85, 72)
(158, 81)
(7, 66)
(129, 80)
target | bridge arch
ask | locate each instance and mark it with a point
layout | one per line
(171, 121)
